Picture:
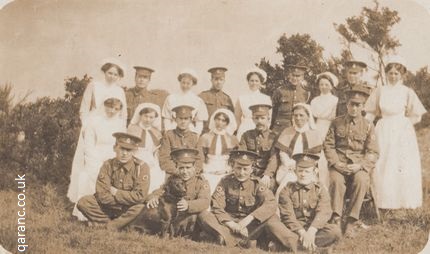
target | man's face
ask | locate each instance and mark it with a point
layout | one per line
(123, 154)
(183, 122)
(218, 82)
(354, 108)
(242, 172)
(186, 170)
(354, 76)
(305, 176)
(262, 122)
(296, 77)
(142, 78)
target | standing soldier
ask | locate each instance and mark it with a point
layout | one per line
(215, 97)
(243, 209)
(140, 93)
(121, 188)
(354, 75)
(180, 137)
(304, 205)
(351, 150)
(287, 95)
(260, 140)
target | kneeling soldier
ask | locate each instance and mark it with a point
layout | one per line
(243, 208)
(122, 185)
(305, 206)
(197, 196)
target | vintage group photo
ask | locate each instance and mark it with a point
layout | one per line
(214, 126)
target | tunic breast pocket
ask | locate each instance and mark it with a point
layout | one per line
(295, 200)
(285, 104)
(250, 201)
(359, 140)
(128, 185)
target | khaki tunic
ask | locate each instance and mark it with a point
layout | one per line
(132, 182)
(284, 98)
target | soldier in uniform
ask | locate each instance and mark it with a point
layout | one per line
(351, 151)
(305, 206)
(260, 140)
(197, 196)
(121, 188)
(242, 208)
(140, 93)
(215, 97)
(287, 95)
(354, 74)
(180, 137)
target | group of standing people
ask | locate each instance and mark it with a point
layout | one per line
(294, 149)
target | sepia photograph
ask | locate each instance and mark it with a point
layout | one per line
(215, 126)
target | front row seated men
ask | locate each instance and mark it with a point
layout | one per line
(351, 151)
(121, 188)
(243, 208)
(304, 206)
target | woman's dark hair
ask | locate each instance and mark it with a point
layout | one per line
(182, 75)
(248, 76)
(148, 110)
(397, 66)
(107, 66)
(227, 119)
(112, 102)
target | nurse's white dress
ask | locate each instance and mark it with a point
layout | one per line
(397, 177)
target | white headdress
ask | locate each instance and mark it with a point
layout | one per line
(311, 121)
(231, 127)
(136, 115)
(258, 70)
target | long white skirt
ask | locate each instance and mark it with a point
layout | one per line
(322, 126)
(156, 175)
(216, 168)
(397, 177)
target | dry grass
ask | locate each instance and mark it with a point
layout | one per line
(50, 229)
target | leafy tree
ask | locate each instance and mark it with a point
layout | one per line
(420, 82)
(371, 30)
(298, 48)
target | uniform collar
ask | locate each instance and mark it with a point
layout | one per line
(264, 133)
(213, 90)
(127, 166)
(181, 133)
(299, 186)
(355, 120)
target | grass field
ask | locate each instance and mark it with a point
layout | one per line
(49, 227)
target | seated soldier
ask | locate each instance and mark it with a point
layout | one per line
(197, 197)
(351, 151)
(260, 140)
(121, 188)
(242, 208)
(305, 206)
(181, 137)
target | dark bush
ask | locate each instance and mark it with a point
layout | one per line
(51, 128)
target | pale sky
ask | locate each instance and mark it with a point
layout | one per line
(44, 41)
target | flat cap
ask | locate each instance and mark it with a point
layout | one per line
(260, 109)
(143, 68)
(243, 157)
(184, 155)
(306, 160)
(217, 71)
(358, 93)
(183, 111)
(126, 140)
